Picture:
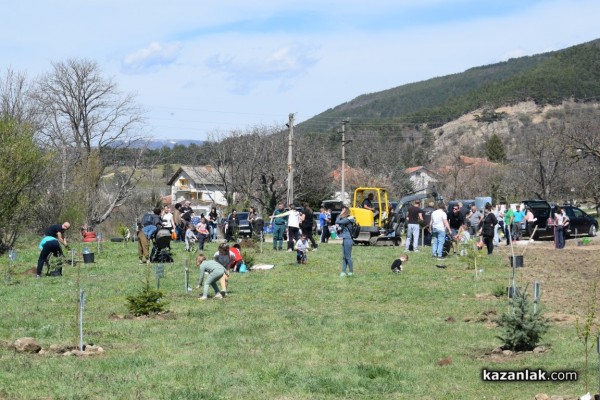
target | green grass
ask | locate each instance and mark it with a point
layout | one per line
(294, 332)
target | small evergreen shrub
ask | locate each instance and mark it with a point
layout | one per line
(146, 301)
(248, 259)
(499, 291)
(523, 329)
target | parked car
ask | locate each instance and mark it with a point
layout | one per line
(542, 210)
(242, 230)
(580, 223)
(245, 230)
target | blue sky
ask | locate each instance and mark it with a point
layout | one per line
(201, 67)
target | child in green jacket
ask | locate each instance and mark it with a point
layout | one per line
(215, 272)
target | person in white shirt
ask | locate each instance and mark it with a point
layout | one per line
(438, 227)
(302, 247)
(167, 218)
(294, 219)
(560, 222)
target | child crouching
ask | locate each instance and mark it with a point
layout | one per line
(397, 264)
(302, 246)
(215, 272)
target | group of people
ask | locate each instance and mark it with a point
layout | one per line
(299, 226)
(183, 217)
(296, 222)
(458, 226)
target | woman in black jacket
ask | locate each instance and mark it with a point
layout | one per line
(307, 225)
(487, 228)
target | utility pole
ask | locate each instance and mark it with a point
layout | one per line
(290, 187)
(344, 122)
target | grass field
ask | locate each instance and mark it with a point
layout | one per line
(294, 332)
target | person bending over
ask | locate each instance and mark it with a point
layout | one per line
(215, 272)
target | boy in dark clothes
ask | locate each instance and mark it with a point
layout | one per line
(397, 264)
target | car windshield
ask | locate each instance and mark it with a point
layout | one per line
(243, 216)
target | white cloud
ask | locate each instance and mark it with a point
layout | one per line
(239, 63)
(150, 58)
(281, 65)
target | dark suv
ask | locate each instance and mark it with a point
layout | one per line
(542, 210)
(245, 230)
(580, 223)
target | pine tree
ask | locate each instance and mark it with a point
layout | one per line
(494, 149)
(523, 329)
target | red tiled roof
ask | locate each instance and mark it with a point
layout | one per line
(413, 169)
(478, 161)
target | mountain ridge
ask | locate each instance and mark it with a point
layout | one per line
(545, 78)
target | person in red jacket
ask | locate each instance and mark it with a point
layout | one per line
(238, 260)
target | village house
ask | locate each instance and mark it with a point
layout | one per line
(422, 178)
(201, 185)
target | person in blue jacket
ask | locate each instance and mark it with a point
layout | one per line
(344, 221)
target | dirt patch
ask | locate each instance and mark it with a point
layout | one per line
(165, 315)
(566, 275)
(500, 354)
(487, 317)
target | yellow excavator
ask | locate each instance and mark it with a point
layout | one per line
(370, 208)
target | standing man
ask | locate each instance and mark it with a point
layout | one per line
(186, 212)
(278, 222)
(439, 226)
(455, 220)
(415, 216)
(519, 217)
(509, 216)
(475, 217)
(426, 220)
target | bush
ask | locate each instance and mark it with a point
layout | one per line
(523, 329)
(147, 301)
(248, 259)
(499, 291)
(122, 230)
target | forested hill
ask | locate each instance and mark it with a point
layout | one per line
(546, 78)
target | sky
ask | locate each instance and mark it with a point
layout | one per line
(202, 68)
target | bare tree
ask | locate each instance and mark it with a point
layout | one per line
(582, 139)
(224, 156)
(15, 100)
(87, 120)
(541, 159)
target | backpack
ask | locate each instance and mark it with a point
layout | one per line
(149, 230)
(354, 229)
